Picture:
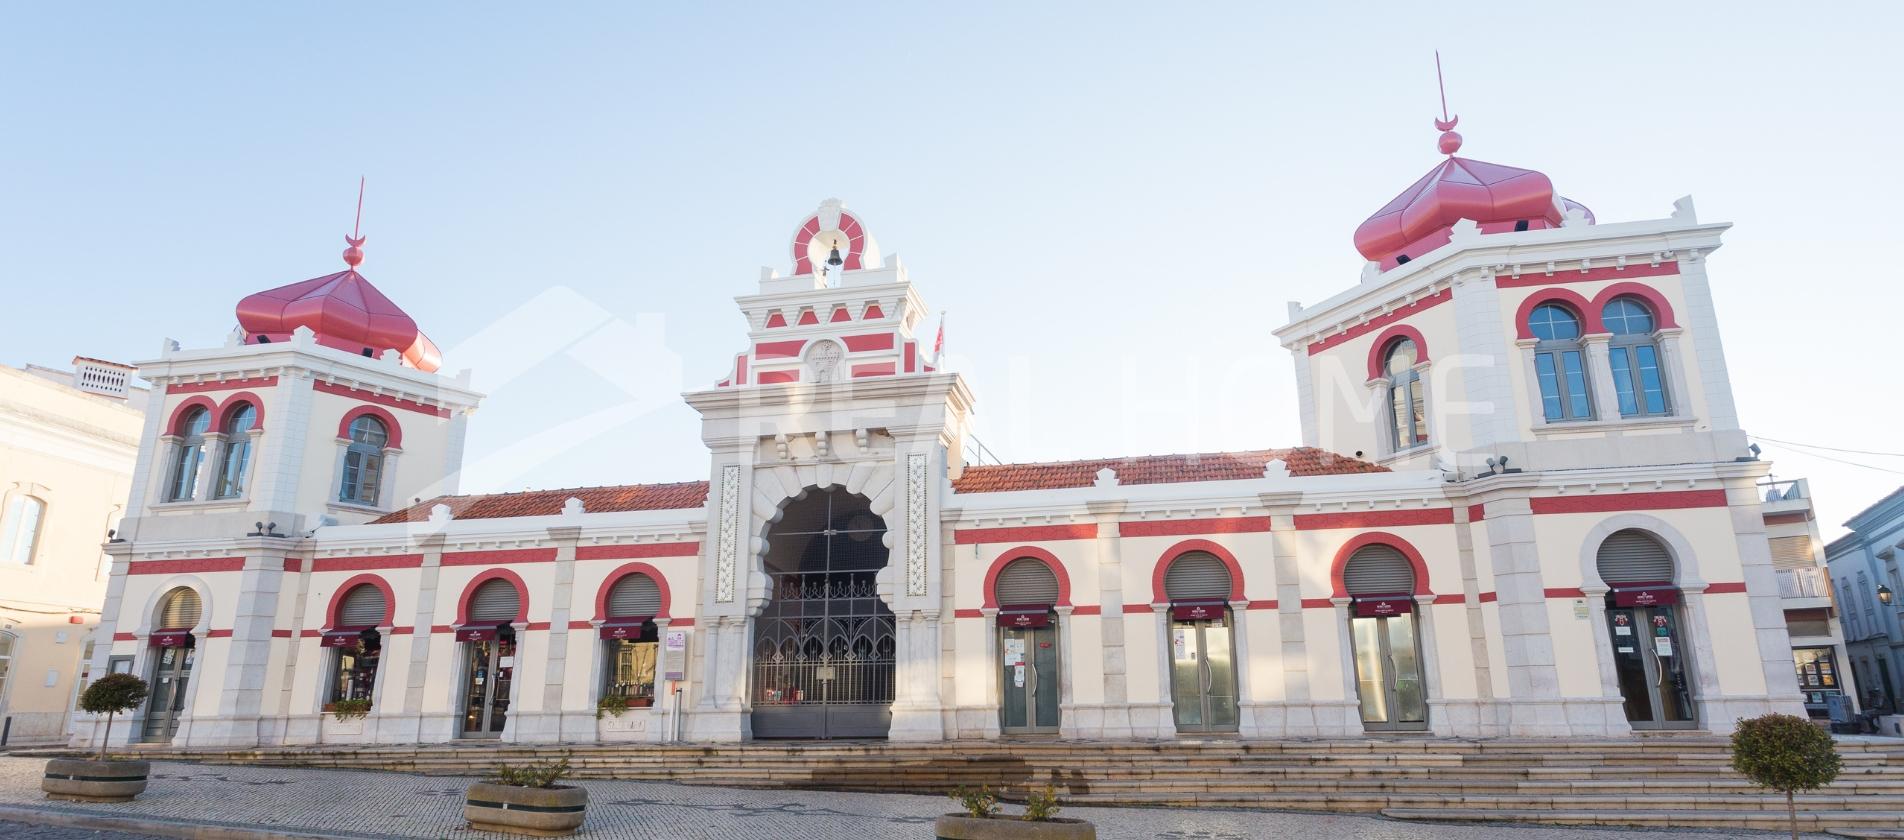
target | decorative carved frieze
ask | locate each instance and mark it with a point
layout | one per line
(916, 524)
(729, 545)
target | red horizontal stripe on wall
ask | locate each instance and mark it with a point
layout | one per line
(774, 377)
(1261, 605)
(1489, 597)
(1374, 519)
(678, 623)
(779, 349)
(312, 634)
(1451, 599)
(220, 385)
(402, 631)
(218, 634)
(124, 637)
(1089, 609)
(293, 564)
(579, 625)
(280, 634)
(878, 369)
(1575, 275)
(537, 625)
(1564, 592)
(186, 566)
(380, 399)
(1028, 533)
(967, 614)
(1477, 513)
(1317, 604)
(361, 564)
(1725, 587)
(1377, 323)
(441, 628)
(1665, 500)
(871, 341)
(498, 556)
(1138, 608)
(632, 551)
(1184, 527)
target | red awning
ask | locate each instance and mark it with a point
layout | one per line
(1211, 610)
(1645, 595)
(476, 634)
(342, 637)
(1377, 606)
(1032, 615)
(624, 628)
(171, 638)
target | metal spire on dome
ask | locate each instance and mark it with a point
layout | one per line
(1450, 141)
(354, 255)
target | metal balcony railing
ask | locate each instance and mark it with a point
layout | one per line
(1803, 583)
(1784, 491)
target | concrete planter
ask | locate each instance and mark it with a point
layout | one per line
(962, 827)
(540, 812)
(86, 780)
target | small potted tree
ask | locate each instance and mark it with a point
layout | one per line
(1787, 754)
(527, 800)
(982, 821)
(99, 779)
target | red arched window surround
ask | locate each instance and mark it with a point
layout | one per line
(1588, 313)
(624, 570)
(393, 432)
(1662, 311)
(1379, 350)
(389, 599)
(522, 594)
(1161, 598)
(173, 426)
(1378, 538)
(231, 404)
(1005, 559)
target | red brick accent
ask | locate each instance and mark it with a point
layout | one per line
(967, 613)
(1374, 519)
(469, 589)
(1089, 609)
(877, 369)
(359, 564)
(1542, 278)
(125, 637)
(182, 567)
(776, 377)
(1050, 560)
(496, 556)
(1451, 599)
(1725, 587)
(365, 579)
(634, 568)
(1604, 503)
(1376, 370)
(779, 349)
(1028, 533)
(392, 429)
(1186, 527)
(869, 342)
(1477, 513)
(1157, 573)
(218, 634)
(380, 399)
(1360, 541)
(1564, 592)
(1261, 605)
(635, 551)
(282, 634)
(293, 564)
(1317, 604)
(220, 385)
(1490, 597)
(1377, 323)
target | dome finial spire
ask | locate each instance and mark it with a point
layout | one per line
(1450, 141)
(354, 255)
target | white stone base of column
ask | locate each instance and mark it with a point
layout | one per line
(1095, 722)
(1597, 717)
(1720, 715)
(972, 723)
(1262, 720)
(1152, 720)
(399, 729)
(916, 724)
(537, 727)
(299, 730)
(1338, 718)
(436, 728)
(720, 726)
(221, 732)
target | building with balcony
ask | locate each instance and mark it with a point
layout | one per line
(1804, 588)
(1863, 566)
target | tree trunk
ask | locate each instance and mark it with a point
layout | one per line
(106, 740)
(1791, 812)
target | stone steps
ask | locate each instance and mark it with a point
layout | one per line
(1837, 821)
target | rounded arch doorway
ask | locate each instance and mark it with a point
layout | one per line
(824, 644)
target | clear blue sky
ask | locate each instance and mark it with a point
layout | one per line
(1112, 201)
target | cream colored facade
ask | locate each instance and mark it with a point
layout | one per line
(66, 460)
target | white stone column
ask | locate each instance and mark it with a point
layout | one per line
(1614, 713)
(1067, 701)
(1166, 718)
(1439, 720)
(992, 725)
(1247, 724)
(1345, 652)
(1672, 364)
(1117, 724)
(1606, 403)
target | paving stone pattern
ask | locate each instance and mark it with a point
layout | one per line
(23, 831)
(365, 804)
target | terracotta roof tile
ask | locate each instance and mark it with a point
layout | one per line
(677, 496)
(1157, 469)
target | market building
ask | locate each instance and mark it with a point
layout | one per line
(1523, 505)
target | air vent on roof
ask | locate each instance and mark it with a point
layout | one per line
(101, 377)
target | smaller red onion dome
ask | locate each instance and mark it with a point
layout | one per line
(344, 310)
(1498, 198)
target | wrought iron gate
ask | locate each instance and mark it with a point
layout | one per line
(824, 644)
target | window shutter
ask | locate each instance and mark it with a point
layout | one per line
(1026, 581)
(1197, 576)
(1378, 570)
(1633, 556)
(1792, 552)
(495, 601)
(634, 595)
(363, 606)
(182, 610)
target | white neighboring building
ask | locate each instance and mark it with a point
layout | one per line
(1864, 569)
(67, 444)
(1544, 521)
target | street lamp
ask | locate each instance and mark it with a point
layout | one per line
(1884, 594)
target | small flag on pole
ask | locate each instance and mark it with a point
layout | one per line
(938, 344)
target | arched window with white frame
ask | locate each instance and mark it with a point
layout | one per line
(235, 456)
(1407, 403)
(1560, 363)
(1633, 356)
(363, 461)
(187, 454)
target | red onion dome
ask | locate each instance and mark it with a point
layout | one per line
(1498, 198)
(346, 313)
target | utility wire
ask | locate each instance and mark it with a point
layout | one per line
(1838, 460)
(1829, 448)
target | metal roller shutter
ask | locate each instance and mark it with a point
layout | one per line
(1197, 576)
(1634, 556)
(1378, 570)
(1026, 581)
(182, 610)
(363, 606)
(634, 595)
(1792, 552)
(493, 602)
